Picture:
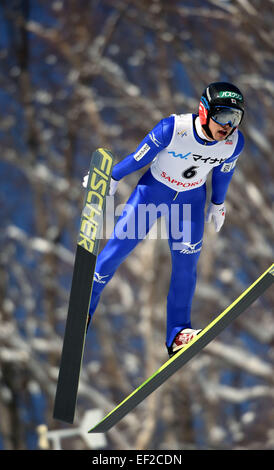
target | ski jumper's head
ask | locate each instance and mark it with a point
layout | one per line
(223, 103)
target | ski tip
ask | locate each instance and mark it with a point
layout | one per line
(105, 153)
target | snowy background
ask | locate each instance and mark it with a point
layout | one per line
(80, 74)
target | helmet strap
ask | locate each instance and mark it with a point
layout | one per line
(207, 130)
(233, 130)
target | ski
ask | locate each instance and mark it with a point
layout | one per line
(184, 355)
(82, 281)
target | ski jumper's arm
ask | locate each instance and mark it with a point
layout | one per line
(151, 145)
(222, 174)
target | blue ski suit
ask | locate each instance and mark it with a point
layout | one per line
(180, 162)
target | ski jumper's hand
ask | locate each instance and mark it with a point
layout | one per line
(216, 212)
(85, 181)
(112, 187)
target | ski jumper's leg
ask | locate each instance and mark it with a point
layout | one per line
(185, 251)
(129, 230)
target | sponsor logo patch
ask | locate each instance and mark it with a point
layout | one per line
(141, 152)
(182, 133)
(191, 248)
(154, 140)
(227, 167)
(99, 278)
(180, 183)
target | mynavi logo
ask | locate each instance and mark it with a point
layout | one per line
(180, 155)
(92, 215)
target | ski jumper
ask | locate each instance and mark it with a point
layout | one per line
(181, 160)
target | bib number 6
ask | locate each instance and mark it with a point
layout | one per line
(190, 172)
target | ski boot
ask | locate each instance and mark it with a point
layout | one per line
(181, 340)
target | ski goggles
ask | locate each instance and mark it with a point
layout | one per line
(225, 115)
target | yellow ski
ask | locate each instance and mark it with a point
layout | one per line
(82, 282)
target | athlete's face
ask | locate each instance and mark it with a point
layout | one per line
(219, 132)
